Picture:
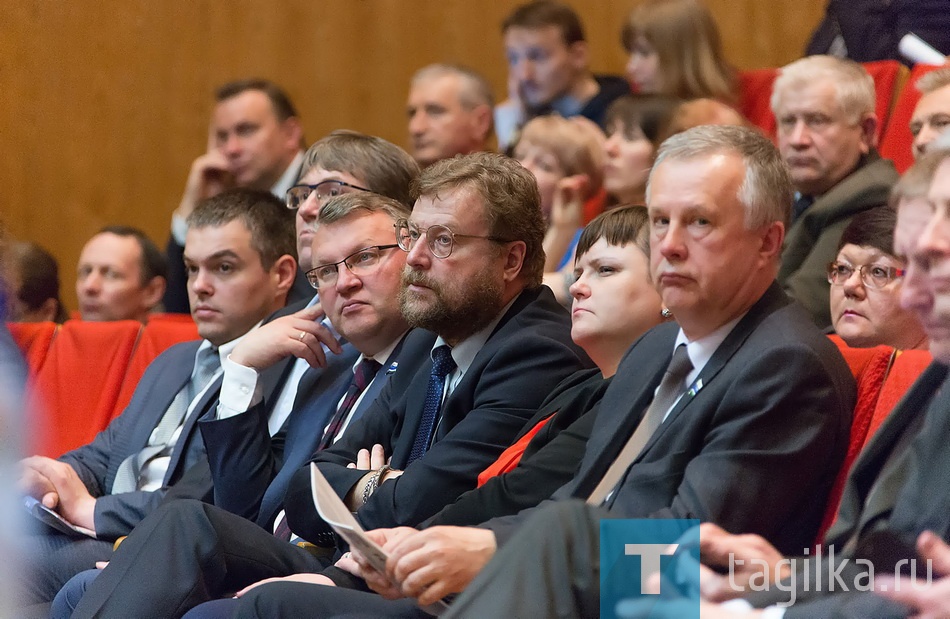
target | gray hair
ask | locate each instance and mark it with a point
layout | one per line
(854, 87)
(766, 190)
(935, 80)
(474, 88)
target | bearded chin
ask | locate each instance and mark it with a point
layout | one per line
(453, 316)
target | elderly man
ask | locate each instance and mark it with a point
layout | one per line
(824, 107)
(255, 140)
(549, 70)
(705, 406)
(240, 266)
(121, 275)
(498, 343)
(450, 113)
(931, 115)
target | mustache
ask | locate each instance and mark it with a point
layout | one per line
(412, 277)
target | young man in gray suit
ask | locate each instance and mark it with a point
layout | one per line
(239, 257)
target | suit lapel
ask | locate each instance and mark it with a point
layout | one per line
(768, 303)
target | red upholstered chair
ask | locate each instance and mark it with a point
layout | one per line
(78, 384)
(157, 336)
(889, 77)
(34, 339)
(870, 368)
(755, 91)
(897, 141)
(906, 369)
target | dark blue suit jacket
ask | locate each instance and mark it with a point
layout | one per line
(527, 355)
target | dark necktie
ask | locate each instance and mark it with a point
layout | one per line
(671, 387)
(442, 366)
(801, 204)
(362, 376)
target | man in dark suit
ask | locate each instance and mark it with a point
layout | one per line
(240, 265)
(736, 442)
(503, 343)
(894, 492)
(250, 471)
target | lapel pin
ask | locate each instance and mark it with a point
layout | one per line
(694, 389)
(392, 368)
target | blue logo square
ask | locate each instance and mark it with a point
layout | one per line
(632, 552)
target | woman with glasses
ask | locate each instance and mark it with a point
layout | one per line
(865, 283)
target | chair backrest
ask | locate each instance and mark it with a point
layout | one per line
(79, 383)
(896, 143)
(889, 77)
(157, 336)
(906, 369)
(34, 340)
(870, 368)
(755, 92)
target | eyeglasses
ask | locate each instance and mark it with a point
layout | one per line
(872, 275)
(440, 239)
(361, 262)
(298, 194)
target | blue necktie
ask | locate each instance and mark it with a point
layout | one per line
(442, 366)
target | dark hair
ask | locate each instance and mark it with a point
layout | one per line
(39, 277)
(871, 228)
(383, 167)
(541, 13)
(153, 262)
(651, 114)
(618, 226)
(509, 194)
(283, 107)
(268, 220)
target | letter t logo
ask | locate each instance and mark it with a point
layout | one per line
(649, 559)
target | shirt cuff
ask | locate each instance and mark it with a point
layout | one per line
(741, 606)
(179, 229)
(240, 389)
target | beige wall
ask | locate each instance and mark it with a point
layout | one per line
(104, 104)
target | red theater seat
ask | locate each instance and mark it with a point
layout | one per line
(34, 339)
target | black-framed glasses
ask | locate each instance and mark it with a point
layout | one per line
(325, 190)
(440, 239)
(361, 262)
(872, 275)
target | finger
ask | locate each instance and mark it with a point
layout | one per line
(362, 459)
(936, 550)
(101, 565)
(50, 500)
(378, 457)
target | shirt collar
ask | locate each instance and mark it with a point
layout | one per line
(382, 356)
(224, 349)
(701, 350)
(464, 352)
(289, 177)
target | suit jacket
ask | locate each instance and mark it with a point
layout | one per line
(251, 474)
(527, 355)
(97, 462)
(891, 487)
(755, 449)
(812, 241)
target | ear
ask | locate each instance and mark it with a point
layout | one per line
(293, 130)
(283, 272)
(47, 310)
(580, 55)
(153, 292)
(773, 237)
(481, 123)
(868, 133)
(514, 260)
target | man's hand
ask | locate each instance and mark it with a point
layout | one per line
(298, 334)
(438, 561)
(369, 459)
(313, 579)
(721, 549)
(210, 174)
(34, 483)
(929, 600)
(73, 501)
(378, 581)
